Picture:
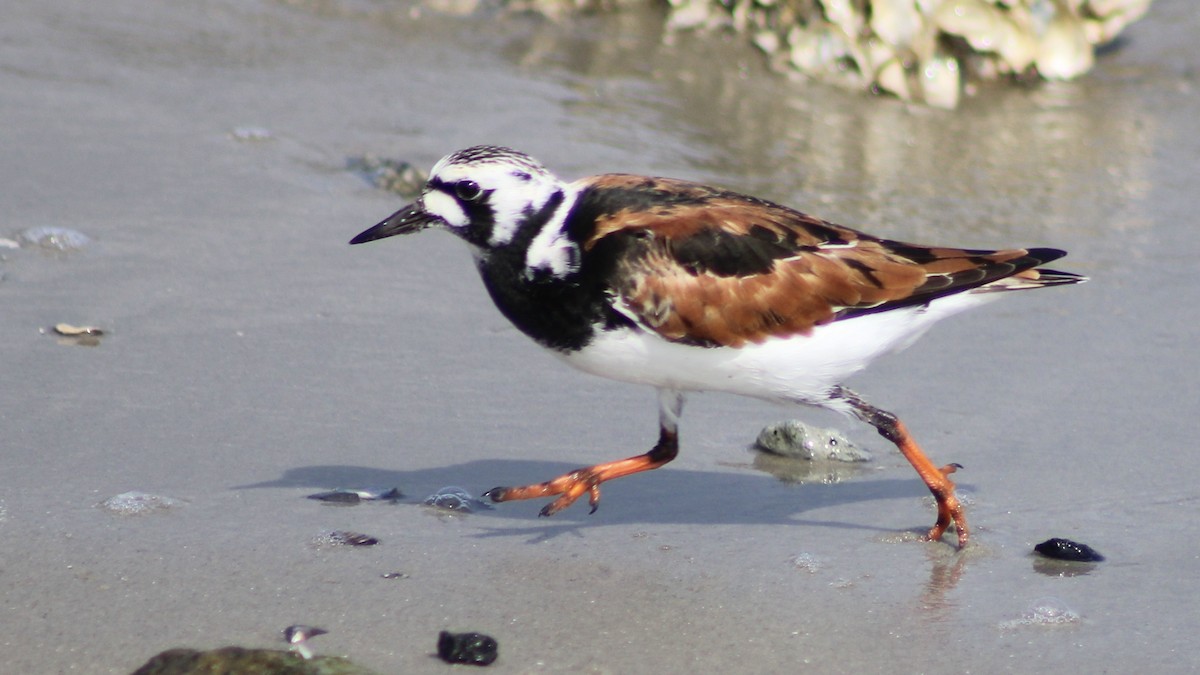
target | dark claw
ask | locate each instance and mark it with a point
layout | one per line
(950, 468)
(594, 507)
(545, 512)
(496, 494)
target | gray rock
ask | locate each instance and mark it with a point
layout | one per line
(794, 438)
(246, 662)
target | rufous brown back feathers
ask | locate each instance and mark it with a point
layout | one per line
(706, 266)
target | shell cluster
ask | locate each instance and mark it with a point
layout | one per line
(929, 51)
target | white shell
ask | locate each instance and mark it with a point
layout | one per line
(941, 80)
(1064, 51)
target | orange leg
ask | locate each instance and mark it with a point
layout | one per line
(937, 479)
(571, 486)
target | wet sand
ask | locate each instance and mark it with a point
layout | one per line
(253, 358)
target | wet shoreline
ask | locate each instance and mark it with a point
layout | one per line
(250, 358)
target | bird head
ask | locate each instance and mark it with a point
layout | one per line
(483, 194)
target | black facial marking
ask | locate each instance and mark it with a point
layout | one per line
(479, 211)
(558, 313)
(494, 154)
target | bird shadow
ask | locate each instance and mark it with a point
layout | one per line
(744, 495)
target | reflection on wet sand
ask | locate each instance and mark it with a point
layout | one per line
(868, 161)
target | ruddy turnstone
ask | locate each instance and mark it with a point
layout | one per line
(687, 287)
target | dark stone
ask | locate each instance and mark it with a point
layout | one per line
(1065, 549)
(347, 538)
(471, 648)
(337, 497)
(246, 662)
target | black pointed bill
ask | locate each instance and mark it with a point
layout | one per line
(412, 218)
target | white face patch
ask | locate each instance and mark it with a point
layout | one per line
(445, 207)
(552, 251)
(517, 195)
(510, 204)
(513, 189)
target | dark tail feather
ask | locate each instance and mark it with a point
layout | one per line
(1044, 255)
(1058, 278)
(1051, 277)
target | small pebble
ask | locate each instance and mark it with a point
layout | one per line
(1065, 549)
(794, 438)
(389, 495)
(456, 499)
(352, 496)
(244, 661)
(136, 503)
(337, 497)
(345, 538)
(54, 238)
(475, 649)
(72, 331)
(83, 336)
(1045, 612)
(392, 175)
(807, 562)
(299, 633)
(251, 134)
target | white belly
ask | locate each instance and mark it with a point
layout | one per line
(800, 369)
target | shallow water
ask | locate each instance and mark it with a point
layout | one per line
(251, 357)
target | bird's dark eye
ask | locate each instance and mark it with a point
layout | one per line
(468, 190)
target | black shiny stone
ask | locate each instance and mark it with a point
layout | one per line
(471, 648)
(1065, 549)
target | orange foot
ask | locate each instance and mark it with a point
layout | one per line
(571, 486)
(949, 509)
(937, 479)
